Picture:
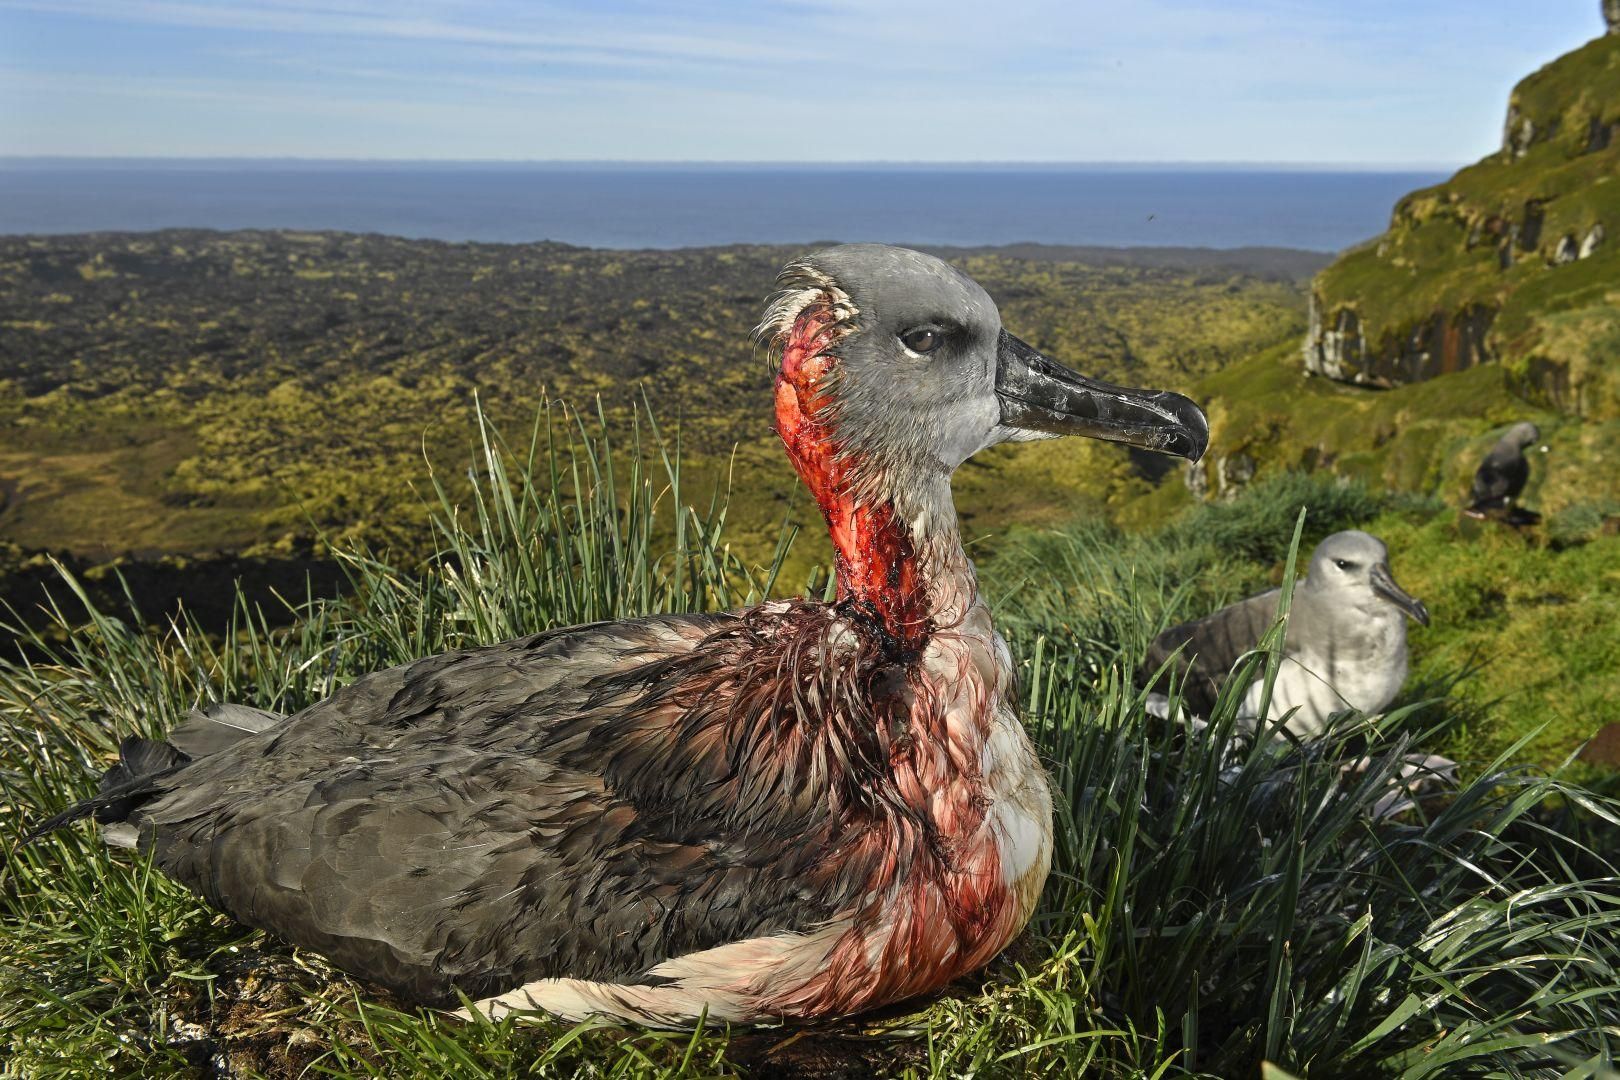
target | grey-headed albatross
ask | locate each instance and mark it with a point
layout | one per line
(1502, 475)
(1345, 646)
(799, 810)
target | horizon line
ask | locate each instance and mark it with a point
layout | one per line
(762, 163)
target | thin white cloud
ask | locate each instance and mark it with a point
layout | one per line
(825, 80)
(529, 27)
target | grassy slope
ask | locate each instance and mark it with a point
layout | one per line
(1200, 918)
(1423, 439)
(1531, 607)
(1558, 327)
(1540, 621)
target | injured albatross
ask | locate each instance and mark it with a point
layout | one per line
(802, 809)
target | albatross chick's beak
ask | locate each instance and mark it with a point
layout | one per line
(1041, 395)
(1383, 583)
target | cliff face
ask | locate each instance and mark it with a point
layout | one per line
(1437, 345)
(1510, 261)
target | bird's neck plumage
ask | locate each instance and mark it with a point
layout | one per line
(961, 848)
(894, 531)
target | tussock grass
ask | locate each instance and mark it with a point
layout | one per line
(1261, 524)
(1216, 902)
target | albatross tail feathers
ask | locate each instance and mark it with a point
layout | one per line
(143, 763)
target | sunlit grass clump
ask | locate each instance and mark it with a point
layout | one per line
(1216, 902)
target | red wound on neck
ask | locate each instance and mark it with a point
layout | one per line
(876, 562)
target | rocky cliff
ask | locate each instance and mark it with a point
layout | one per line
(1511, 261)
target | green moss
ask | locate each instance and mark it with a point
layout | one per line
(1423, 439)
(1579, 85)
(1538, 620)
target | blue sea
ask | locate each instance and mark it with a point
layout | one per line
(648, 206)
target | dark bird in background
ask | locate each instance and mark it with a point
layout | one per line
(1345, 647)
(1501, 477)
(797, 810)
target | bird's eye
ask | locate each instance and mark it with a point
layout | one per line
(1343, 564)
(923, 340)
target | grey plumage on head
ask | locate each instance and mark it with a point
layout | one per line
(890, 401)
(1522, 434)
(925, 375)
(903, 421)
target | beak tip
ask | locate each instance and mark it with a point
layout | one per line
(1200, 445)
(1192, 436)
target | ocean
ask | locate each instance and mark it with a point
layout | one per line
(671, 206)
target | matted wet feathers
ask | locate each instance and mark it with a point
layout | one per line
(799, 286)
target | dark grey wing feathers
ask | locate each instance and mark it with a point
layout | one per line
(137, 775)
(1498, 481)
(452, 826)
(1209, 647)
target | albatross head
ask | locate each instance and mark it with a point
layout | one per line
(1522, 435)
(903, 361)
(1352, 567)
(895, 369)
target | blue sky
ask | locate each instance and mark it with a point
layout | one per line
(1366, 82)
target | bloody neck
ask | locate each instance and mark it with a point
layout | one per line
(884, 567)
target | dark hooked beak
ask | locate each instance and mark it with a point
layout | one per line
(1383, 583)
(1042, 395)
